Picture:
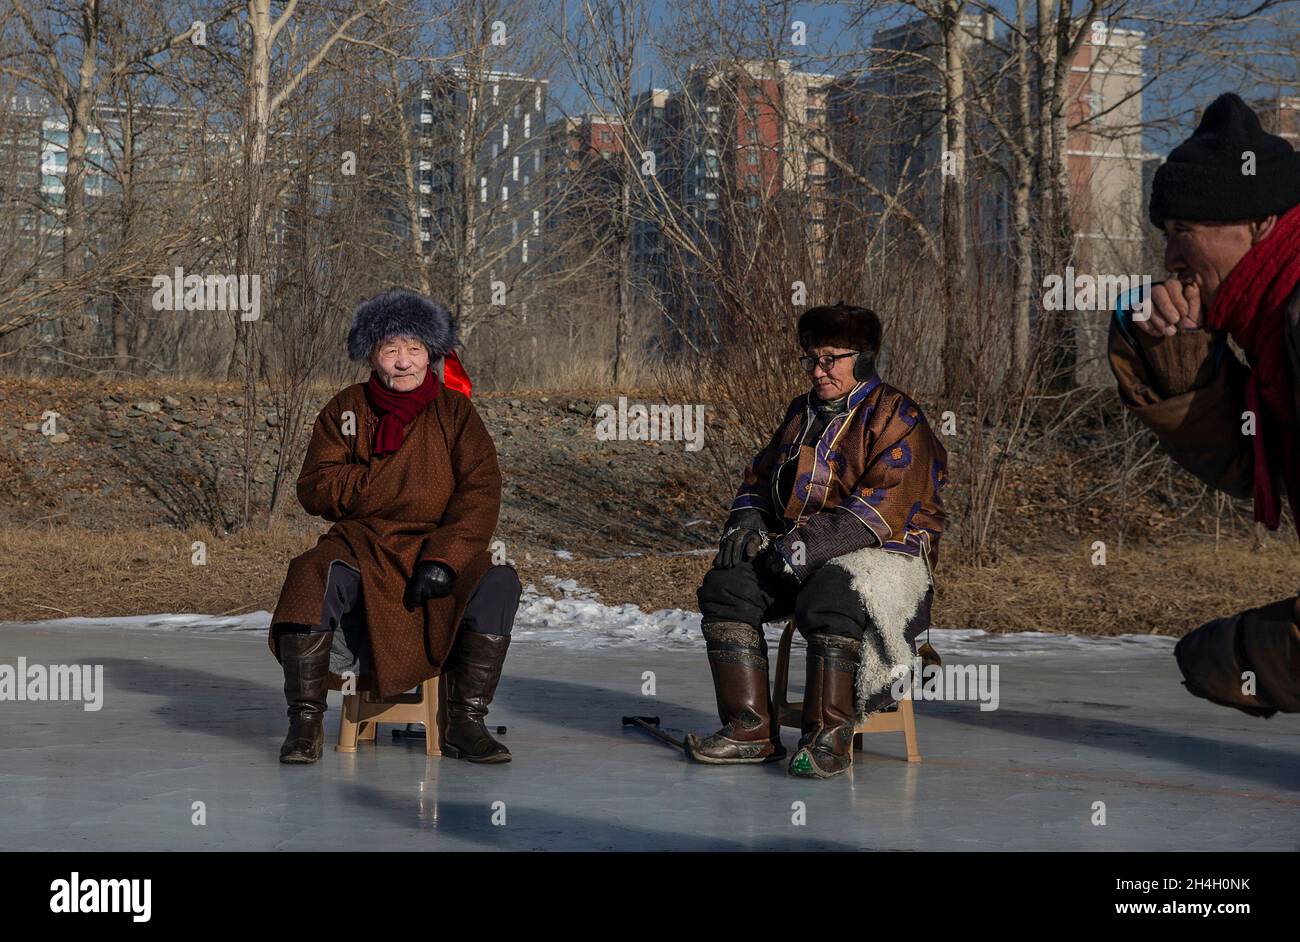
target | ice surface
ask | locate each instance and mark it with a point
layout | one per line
(192, 711)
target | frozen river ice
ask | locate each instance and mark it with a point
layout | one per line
(1085, 730)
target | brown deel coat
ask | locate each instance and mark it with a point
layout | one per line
(1192, 394)
(436, 498)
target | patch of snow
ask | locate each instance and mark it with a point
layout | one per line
(180, 623)
(579, 620)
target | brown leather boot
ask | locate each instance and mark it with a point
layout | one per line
(826, 746)
(470, 685)
(750, 733)
(305, 657)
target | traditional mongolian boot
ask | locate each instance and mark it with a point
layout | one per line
(305, 656)
(470, 685)
(826, 746)
(750, 733)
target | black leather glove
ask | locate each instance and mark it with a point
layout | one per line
(740, 545)
(771, 563)
(429, 581)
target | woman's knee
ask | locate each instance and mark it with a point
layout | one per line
(503, 582)
(491, 609)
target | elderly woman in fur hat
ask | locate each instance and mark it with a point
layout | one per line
(837, 522)
(401, 588)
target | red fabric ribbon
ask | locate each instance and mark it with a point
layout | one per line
(397, 409)
(1251, 306)
(454, 375)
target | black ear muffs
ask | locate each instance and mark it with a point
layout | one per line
(864, 367)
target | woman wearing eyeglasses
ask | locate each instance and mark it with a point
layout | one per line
(837, 522)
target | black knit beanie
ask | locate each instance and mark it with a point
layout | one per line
(1203, 179)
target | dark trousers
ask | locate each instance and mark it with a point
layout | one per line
(826, 602)
(490, 610)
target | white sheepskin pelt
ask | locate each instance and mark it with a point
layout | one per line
(891, 586)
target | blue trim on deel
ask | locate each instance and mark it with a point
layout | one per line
(1124, 313)
(863, 391)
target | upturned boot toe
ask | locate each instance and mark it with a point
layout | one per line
(749, 734)
(828, 720)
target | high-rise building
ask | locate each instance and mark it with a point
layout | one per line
(480, 141)
(737, 141)
(889, 127)
(1281, 116)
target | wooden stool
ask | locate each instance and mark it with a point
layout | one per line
(901, 719)
(363, 712)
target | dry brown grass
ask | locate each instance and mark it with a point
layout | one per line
(64, 571)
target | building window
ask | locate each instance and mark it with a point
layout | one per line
(505, 136)
(537, 160)
(751, 156)
(496, 90)
(527, 126)
(523, 251)
(751, 179)
(514, 172)
(537, 222)
(505, 194)
(537, 98)
(482, 189)
(514, 229)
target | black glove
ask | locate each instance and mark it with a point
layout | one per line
(429, 581)
(740, 545)
(771, 563)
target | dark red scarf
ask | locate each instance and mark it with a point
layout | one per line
(397, 409)
(1251, 306)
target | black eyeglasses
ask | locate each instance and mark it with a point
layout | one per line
(826, 362)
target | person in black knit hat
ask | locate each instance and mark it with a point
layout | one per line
(1230, 169)
(1228, 200)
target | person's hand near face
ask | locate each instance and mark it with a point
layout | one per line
(1199, 256)
(401, 363)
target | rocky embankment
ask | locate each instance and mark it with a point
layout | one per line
(130, 455)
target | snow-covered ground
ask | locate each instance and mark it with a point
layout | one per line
(578, 620)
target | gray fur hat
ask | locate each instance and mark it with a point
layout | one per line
(401, 314)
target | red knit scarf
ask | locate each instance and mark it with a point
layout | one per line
(1251, 306)
(397, 409)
